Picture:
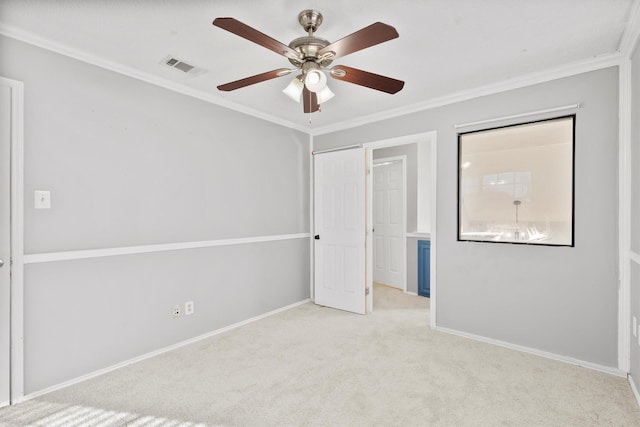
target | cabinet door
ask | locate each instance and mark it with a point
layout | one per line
(424, 268)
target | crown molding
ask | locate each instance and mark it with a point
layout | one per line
(567, 70)
(628, 41)
(631, 33)
(80, 55)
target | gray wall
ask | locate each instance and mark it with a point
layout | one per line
(129, 163)
(556, 299)
(635, 209)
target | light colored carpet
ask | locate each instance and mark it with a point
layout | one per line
(313, 366)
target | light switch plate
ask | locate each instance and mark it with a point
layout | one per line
(42, 199)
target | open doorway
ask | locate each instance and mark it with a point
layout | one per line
(389, 189)
(419, 172)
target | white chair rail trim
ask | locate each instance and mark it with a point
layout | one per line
(129, 250)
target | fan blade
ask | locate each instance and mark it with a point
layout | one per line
(309, 101)
(369, 36)
(367, 79)
(254, 79)
(243, 30)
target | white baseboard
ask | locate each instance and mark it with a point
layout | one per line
(157, 352)
(3, 404)
(634, 389)
(552, 356)
(411, 293)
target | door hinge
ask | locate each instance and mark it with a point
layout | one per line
(366, 291)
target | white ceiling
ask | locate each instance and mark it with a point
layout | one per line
(445, 46)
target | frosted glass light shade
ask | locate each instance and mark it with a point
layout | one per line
(324, 95)
(315, 80)
(294, 89)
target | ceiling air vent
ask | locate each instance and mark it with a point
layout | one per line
(178, 64)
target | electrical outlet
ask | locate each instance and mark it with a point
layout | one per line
(188, 308)
(176, 311)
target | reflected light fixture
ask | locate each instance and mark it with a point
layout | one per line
(294, 89)
(517, 236)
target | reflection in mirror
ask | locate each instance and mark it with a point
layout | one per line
(515, 183)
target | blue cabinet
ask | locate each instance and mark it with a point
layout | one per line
(424, 268)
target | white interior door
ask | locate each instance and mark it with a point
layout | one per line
(5, 243)
(339, 217)
(388, 222)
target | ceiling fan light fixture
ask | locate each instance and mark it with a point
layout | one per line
(294, 89)
(315, 80)
(324, 95)
(311, 56)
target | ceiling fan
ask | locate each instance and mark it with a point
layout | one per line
(312, 55)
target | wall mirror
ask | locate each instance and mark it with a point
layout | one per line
(515, 183)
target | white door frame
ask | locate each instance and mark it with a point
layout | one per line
(431, 137)
(403, 160)
(17, 238)
(625, 257)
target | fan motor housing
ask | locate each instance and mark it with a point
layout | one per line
(309, 46)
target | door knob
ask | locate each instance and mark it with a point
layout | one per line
(317, 237)
(1, 263)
